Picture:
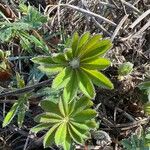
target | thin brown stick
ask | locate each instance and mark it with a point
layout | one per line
(26, 89)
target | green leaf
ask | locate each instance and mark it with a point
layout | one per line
(67, 143)
(99, 63)
(61, 79)
(20, 81)
(40, 127)
(48, 117)
(68, 54)
(80, 126)
(60, 135)
(82, 41)
(81, 104)
(99, 79)
(50, 106)
(71, 88)
(21, 115)
(10, 115)
(34, 18)
(74, 44)
(6, 34)
(63, 106)
(45, 60)
(49, 70)
(89, 45)
(98, 49)
(85, 115)
(79, 131)
(59, 58)
(85, 84)
(147, 108)
(49, 137)
(125, 68)
(75, 137)
(144, 85)
(91, 124)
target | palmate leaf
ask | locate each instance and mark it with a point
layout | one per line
(79, 65)
(67, 127)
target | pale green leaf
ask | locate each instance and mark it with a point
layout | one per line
(48, 118)
(83, 127)
(67, 143)
(75, 137)
(10, 115)
(40, 127)
(21, 115)
(85, 115)
(82, 41)
(71, 88)
(91, 124)
(89, 45)
(98, 49)
(68, 54)
(62, 78)
(99, 63)
(49, 136)
(59, 58)
(74, 44)
(81, 104)
(85, 84)
(45, 60)
(80, 132)
(49, 70)
(50, 106)
(99, 79)
(60, 135)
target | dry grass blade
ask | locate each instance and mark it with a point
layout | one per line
(130, 6)
(143, 29)
(119, 27)
(89, 13)
(146, 13)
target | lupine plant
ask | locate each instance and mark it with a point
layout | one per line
(76, 70)
(67, 121)
(78, 66)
